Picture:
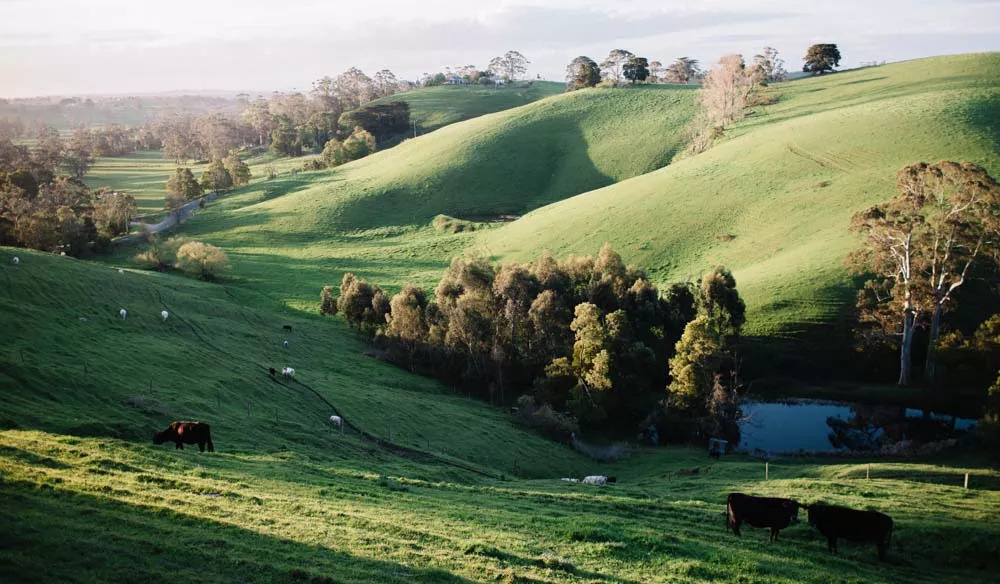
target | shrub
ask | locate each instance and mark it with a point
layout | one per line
(201, 259)
(327, 301)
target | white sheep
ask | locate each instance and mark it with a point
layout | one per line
(123, 313)
(337, 421)
(284, 344)
(121, 271)
(288, 372)
(597, 480)
(164, 314)
(15, 260)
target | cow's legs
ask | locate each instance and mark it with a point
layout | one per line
(831, 544)
(774, 534)
(179, 446)
(881, 550)
(201, 447)
(736, 527)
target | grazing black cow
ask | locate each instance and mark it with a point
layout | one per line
(772, 512)
(288, 328)
(853, 525)
(186, 433)
(272, 371)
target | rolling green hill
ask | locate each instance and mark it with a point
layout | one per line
(290, 236)
(772, 201)
(435, 107)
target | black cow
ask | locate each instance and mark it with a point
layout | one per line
(186, 433)
(772, 512)
(853, 525)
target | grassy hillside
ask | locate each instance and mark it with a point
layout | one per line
(435, 107)
(298, 516)
(773, 200)
(69, 364)
(290, 236)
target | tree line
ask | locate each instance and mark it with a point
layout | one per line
(589, 341)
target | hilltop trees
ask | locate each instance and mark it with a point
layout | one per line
(821, 58)
(681, 71)
(614, 64)
(591, 335)
(509, 66)
(920, 248)
(582, 72)
(770, 66)
(636, 69)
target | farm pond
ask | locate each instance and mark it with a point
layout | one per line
(822, 426)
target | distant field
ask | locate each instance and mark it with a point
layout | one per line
(435, 107)
(141, 174)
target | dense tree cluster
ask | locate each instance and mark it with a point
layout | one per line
(382, 120)
(587, 335)
(43, 209)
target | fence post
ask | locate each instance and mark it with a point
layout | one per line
(868, 471)
(766, 470)
(966, 480)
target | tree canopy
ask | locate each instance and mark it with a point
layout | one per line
(821, 58)
(582, 72)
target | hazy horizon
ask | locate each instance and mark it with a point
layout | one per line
(113, 47)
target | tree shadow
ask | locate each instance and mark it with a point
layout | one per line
(56, 535)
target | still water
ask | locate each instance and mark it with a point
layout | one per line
(829, 426)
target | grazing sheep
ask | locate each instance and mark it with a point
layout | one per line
(123, 313)
(337, 421)
(15, 260)
(272, 371)
(288, 372)
(121, 271)
(83, 319)
(164, 314)
(598, 480)
(284, 344)
(570, 480)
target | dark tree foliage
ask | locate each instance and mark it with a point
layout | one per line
(821, 58)
(183, 184)
(582, 72)
(286, 140)
(636, 69)
(591, 335)
(382, 120)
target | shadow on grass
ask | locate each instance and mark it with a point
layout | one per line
(56, 535)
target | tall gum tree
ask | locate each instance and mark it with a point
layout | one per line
(920, 247)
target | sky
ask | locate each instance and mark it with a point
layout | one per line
(62, 47)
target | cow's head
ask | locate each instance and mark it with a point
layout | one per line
(159, 438)
(815, 511)
(792, 508)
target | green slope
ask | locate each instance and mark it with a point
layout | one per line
(209, 360)
(291, 236)
(435, 107)
(784, 183)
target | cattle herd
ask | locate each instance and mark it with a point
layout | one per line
(831, 521)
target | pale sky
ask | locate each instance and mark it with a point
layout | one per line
(65, 47)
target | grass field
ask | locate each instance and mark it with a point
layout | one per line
(435, 107)
(85, 496)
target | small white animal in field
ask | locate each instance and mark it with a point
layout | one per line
(123, 313)
(288, 372)
(337, 421)
(121, 271)
(597, 480)
(164, 314)
(570, 480)
(15, 260)
(284, 344)
(83, 319)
